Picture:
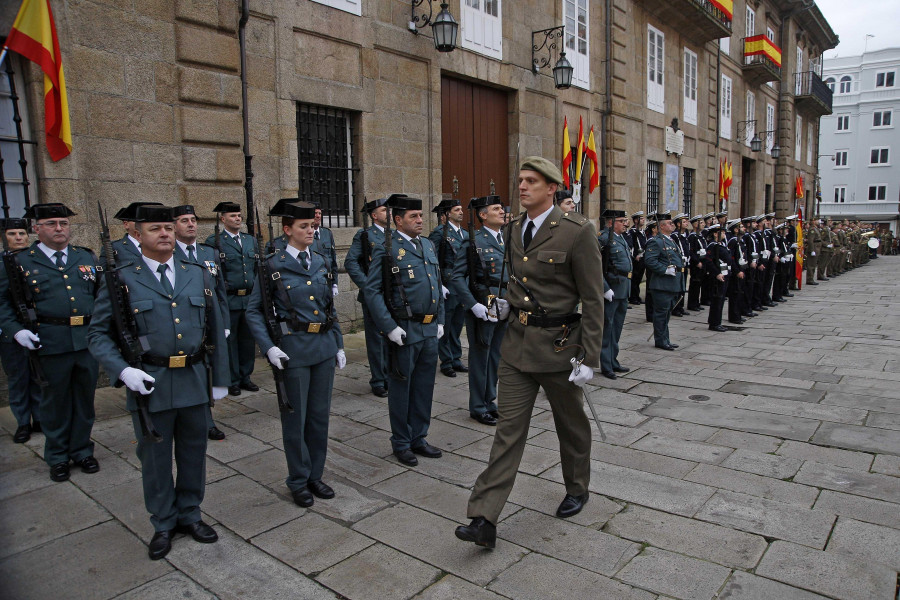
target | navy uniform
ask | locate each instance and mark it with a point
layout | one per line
(207, 257)
(357, 263)
(638, 241)
(737, 298)
(300, 284)
(617, 277)
(683, 243)
(449, 347)
(768, 236)
(479, 283)
(754, 274)
(412, 379)
(62, 285)
(181, 319)
(24, 390)
(717, 262)
(664, 260)
(239, 265)
(697, 243)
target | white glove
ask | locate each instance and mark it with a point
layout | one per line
(794, 246)
(440, 332)
(397, 336)
(701, 252)
(219, 392)
(277, 357)
(134, 380)
(813, 254)
(334, 291)
(670, 271)
(28, 339)
(830, 246)
(480, 311)
(444, 292)
(609, 295)
(580, 374)
(341, 359)
(227, 333)
(502, 308)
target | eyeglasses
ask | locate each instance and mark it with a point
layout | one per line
(53, 224)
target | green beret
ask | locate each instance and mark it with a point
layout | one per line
(542, 166)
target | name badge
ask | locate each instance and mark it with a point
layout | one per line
(412, 275)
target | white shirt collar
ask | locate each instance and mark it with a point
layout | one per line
(405, 237)
(295, 252)
(492, 232)
(455, 227)
(134, 241)
(184, 246)
(170, 273)
(49, 252)
(538, 220)
(380, 228)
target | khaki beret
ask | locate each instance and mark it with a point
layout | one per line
(542, 166)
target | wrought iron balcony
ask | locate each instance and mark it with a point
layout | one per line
(811, 95)
(759, 68)
(697, 20)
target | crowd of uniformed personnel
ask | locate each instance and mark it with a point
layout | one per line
(542, 296)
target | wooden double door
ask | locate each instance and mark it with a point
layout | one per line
(474, 140)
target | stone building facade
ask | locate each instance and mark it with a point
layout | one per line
(157, 113)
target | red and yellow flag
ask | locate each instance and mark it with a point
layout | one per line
(798, 192)
(566, 154)
(33, 35)
(726, 6)
(591, 151)
(579, 147)
(721, 179)
(799, 269)
(760, 44)
(728, 179)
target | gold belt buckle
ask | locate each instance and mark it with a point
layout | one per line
(242, 292)
(177, 362)
(76, 321)
(313, 328)
(523, 317)
(427, 319)
(629, 275)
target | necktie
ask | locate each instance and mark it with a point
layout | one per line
(166, 284)
(500, 237)
(529, 233)
(237, 239)
(304, 260)
(60, 261)
(316, 234)
(415, 242)
(191, 254)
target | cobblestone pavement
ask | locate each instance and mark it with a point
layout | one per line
(761, 464)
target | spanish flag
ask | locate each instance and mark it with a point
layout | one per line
(721, 179)
(760, 44)
(566, 154)
(728, 179)
(798, 191)
(33, 35)
(591, 151)
(726, 6)
(798, 272)
(580, 150)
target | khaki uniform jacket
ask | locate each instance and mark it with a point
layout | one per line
(812, 242)
(561, 268)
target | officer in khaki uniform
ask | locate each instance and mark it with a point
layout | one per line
(812, 248)
(825, 259)
(553, 260)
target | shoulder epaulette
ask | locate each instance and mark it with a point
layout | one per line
(575, 217)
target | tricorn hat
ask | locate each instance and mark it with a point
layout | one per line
(662, 217)
(613, 214)
(403, 202)
(127, 213)
(13, 224)
(278, 210)
(445, 205)
(298, 210)
(51, 210)
(153, 213)
(227, 207)
(368, 207)
(184, 209)
(484, 202)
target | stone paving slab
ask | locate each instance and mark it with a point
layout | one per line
(821, 412)
(887, 464)
(378, 572)
(827, 573)
(640, 460)
(679, 429)
(748, 441)
(744, 586)
(693, 451)
(854, 437)
(543, 495)
(832, 456)
(880, 487)
(774, 391)
(674, 575)
(883, 420)
(760, 463)
(866, 542)
(172, 585)
(451, 587)
(247, 508)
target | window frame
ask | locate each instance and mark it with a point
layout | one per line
(581, 77)
(690, 63)
(343, 5)
(843, 118)
(770, 126)
(656, 69)
(890, 114)
(840, 191)
(470, 27)
(882, 151)
(877, 187)
(842, 153)
(726, 106)
(653, 186)
(846, 79)
(885, 75)
(687, 189)
(798, 138)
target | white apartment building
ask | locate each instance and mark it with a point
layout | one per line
(859, 145)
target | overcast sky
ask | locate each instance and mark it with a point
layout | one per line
(852, 20)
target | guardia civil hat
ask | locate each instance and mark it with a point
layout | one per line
(403, 202)
(184, 209)
(51, 210)
(543, 166)
(227, 207)
(445, 205)
(368, 207)
(484, 202)
(13, 224)
(279, 210)
(127, 213)
(613, 214)
(153, 213)
(299, 210)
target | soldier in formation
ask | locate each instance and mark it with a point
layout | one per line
(448, 238)
(617, 273)
(637, 239)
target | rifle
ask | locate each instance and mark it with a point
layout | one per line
(508, 226)
(131, 345)
(365, 256)
(218, 241)
(23, 304)
(270, 245)
(474, 260)
(274, 328)
(390, 274)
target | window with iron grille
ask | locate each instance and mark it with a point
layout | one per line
(326, 161)
(688, 191)
(653, 168)
(16, 147)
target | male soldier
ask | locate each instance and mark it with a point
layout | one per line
(554, 263)
(638, 242)
(718, 265)
(60, 282)
(24, 390)
(721, 218)
(790, 236)
(737, 297)
(757, 268)
(825, 258)
(812, 247)
(187, 248)
(766, 238)
(239, 263)
(649, 233)
(357, 263)
(476, 282)
(300, 284)
(665, 261)
(697, 243)
(448, 237)
(323, 243)
(680, 237)
(565, 202)
(175, 307)
(128, 246)
(616, 286)
(406, 301)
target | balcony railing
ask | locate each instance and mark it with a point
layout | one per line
(811, 94)
(698, 20)
(881, 209)
(760, 68)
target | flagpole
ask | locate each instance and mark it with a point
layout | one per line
(3, 55)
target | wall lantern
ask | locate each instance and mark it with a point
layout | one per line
(543, 43)
(444, 26)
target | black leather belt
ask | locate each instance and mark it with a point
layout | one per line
(241, 292)
(70, 321)
(424, 319)
(533, 320)
(173, 362)
(303, 327)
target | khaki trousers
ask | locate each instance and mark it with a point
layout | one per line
(516, 393)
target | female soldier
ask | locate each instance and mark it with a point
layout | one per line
(301, 288)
